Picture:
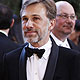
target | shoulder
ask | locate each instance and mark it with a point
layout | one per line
(68, 56)
(12, 57)
(17, 51)
(68, 52)
(13, 53)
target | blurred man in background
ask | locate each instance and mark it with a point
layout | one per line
(6, 22)
(65, 22)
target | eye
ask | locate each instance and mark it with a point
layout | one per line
(72, 17)
(36, 18)
(25, 19)
(64, 16)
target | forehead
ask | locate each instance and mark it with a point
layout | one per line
(38, 9)
(65, 8)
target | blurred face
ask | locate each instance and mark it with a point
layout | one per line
(65, 19)
(35, 24)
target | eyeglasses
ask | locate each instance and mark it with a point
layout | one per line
(66, 16)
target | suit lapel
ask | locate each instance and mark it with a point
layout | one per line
(72, 45)
(49, 74)
(22, 65)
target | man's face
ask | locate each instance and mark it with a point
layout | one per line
(35, 24)
(65, 20)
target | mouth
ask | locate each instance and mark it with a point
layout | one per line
(68, 26)
(30, 33)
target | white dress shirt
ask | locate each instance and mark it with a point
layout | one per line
(36, 67)
(59, 42)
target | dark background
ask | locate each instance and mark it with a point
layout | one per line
(16, 5)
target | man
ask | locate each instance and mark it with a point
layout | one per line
(57, 63)
(6, 22)
(65, 22)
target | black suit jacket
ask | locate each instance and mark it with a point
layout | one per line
(63, 64)
(6, 45)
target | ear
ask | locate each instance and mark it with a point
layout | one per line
(52, 24)
(12, 23)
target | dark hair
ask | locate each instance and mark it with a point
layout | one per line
(49, 5)
(77, 25)
(6, 16)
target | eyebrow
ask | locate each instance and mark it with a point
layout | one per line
(36, 15)
(32, 15)
(68, 14)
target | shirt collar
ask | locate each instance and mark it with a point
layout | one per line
(59, 42)
(66, 43)
(3, 32)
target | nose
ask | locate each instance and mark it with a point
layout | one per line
(29, 23)
(69, 18)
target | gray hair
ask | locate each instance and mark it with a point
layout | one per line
(49, 5)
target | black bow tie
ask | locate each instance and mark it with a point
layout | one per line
(30, 52)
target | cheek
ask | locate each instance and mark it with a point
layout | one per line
(41, 30)
(41, 26)
(23, 27)
(59, 22)
(59, 25)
